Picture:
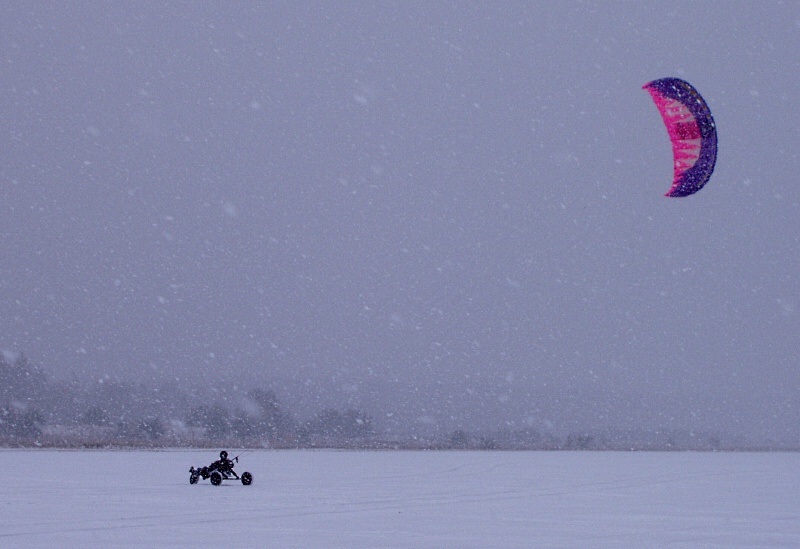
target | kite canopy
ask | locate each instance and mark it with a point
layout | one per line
(692, 132)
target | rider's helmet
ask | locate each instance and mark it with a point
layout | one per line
(223, 455)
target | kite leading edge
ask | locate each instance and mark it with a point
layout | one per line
(692, 131)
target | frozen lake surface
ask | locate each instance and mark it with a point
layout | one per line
(402, 499)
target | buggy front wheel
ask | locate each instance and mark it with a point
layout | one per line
(247, 478)
(216, 479)
(193, 477)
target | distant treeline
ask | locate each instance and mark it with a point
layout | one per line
(36, 411)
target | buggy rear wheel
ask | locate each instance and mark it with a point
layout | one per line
(247, 478)
(216, 478)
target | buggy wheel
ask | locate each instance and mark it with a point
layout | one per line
(193, 478)
(216, 478)
(247, 478)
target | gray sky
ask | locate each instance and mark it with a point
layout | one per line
(445, 213)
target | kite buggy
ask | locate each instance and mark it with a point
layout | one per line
(220, 470)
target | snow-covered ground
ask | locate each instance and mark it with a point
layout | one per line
(402, 499)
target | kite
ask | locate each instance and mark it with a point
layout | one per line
(692, 132)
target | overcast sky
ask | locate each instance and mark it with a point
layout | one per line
(446, 212)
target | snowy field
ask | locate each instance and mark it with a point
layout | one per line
(402, 499)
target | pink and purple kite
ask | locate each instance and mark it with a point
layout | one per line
(692, 132)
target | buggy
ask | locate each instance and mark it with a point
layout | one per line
(218, 471)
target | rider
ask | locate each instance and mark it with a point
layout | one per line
(223, 464)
